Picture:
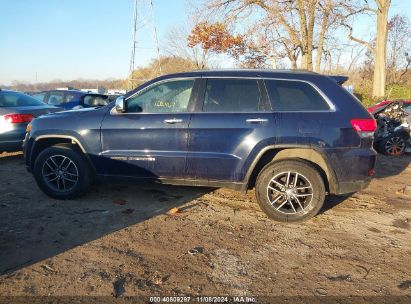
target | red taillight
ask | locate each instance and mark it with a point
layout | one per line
(18, 118)
(364, 127)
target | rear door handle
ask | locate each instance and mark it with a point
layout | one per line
(173, 121)
(256, 120)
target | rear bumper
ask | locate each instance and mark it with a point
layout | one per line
(350, 187)
(354, 169)
(12, 140)
(10, 146)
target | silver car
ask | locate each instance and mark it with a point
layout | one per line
(16, 111)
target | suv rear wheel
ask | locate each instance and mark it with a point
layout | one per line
(62, 172)
(290, 190)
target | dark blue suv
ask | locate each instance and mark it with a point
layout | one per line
(294, 136)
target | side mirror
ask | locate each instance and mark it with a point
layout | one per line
(120, 104)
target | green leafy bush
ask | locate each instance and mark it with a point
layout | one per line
(398, 91)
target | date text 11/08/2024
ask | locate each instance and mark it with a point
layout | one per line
(202, 299)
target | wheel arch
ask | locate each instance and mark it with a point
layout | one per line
(308, 154)
(44, 141)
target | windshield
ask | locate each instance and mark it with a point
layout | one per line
(15, 99)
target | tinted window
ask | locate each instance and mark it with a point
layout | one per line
(294, 96)
(12, 99)
(95, 100)
(39, 96)
(166, 97)
(232, 95)
(55, 99)
(70, 97)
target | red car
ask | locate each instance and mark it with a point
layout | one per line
(375, 107)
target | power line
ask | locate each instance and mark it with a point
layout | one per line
(143, 22)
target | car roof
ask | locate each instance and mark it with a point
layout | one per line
(241, 72)
(11, 91)
(268, 73)
(74, 92)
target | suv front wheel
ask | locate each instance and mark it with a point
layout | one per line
(290, 190)
(62, 172)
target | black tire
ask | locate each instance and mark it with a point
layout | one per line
(393, 145)
(43, 172)
(283, 207)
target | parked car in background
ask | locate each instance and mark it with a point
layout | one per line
(393, 128)
(380, 105)
(294, 136)
(113, 97)
(16, 111)
(72, 99)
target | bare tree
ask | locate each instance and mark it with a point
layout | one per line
(291, 29)
(379, 50)
(399, 44)
(177, 45)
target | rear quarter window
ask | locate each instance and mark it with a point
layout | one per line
(294, 96)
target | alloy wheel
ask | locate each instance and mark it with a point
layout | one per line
(395, 145)
(60, 173)
(289, 192)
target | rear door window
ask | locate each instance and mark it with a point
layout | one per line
(55, 98)
(295, 96)
(70, 97)
(95, 100)
(232, 95)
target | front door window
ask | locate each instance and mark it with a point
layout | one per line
(166, 97)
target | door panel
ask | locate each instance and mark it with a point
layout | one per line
(220, 143)
(144, 145)
(150, 139)
(234, 121)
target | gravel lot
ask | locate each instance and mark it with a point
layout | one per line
(120, 240)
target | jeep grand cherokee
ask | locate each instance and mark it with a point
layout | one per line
(294, 136)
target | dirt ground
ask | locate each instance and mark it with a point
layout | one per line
(120, 240)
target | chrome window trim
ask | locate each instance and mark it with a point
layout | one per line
(316, 88)
(160, 82)
(319, 91)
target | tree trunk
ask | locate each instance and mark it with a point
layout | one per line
(304, 59)
(293, 63)
(310, 33)
(307, 60)
(380, 51)
(323, 30)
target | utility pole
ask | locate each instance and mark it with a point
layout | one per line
(36, 82)
(143, 23)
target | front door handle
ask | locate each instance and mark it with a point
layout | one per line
(256, 120)
(173, 121)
